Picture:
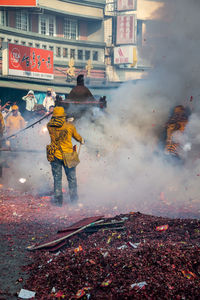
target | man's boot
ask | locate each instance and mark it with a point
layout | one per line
(73, 196)
(57, 200)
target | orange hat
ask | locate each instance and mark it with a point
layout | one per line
(15, 107)
(59, 112)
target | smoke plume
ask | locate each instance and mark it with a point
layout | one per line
(133, 173)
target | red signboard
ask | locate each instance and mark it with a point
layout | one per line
(126, 5)
(126, 29)
(30, 62)
(18, 3)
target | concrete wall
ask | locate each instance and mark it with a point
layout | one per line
(72, 8)
(34, 42)
(95, 31)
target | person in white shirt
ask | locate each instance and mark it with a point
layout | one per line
(49, 100)
(30, 103)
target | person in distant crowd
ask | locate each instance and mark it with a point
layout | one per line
(15, 121)
(49, 100)
(175, 125)
(30, 103)
(6, 110)
(51, 108)
(62, 154)
(49, 113)
(58, 100)
(80, 92)
(2, 124)
(2, 108)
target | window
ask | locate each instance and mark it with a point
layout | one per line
(1, 41)
(37, 45)
(51, 48)
(70, 29)
(95, 55)
(2, 18)
(44, 47)
(80, 54)
(22, 20)
(58, 52)
(30, 44)
(43, 25)
(16, 41)
(23, 43)
(65, 52)
(51, 25)
(72, 53)
(87, 54)
(47, 25)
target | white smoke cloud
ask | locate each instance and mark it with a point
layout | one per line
(31, 163)
(133, 170)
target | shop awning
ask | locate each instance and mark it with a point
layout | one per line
(33, 86)
(96, 90)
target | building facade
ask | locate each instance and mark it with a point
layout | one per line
(102, 39)
(125, 26)
(72, 30)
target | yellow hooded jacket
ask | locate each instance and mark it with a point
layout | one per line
(14, 123)
(61, 132)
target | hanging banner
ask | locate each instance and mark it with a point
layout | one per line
(24, 3)
(125, 55)
(30, 62)
(126, 29)
(126, 5)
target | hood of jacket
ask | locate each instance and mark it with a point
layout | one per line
(56, 122)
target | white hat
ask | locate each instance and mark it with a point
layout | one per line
(31, 92)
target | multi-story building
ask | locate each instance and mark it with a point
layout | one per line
(125, 26)
(102, 39)
(72, 30)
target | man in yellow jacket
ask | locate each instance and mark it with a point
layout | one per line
(61, 134)
(176, 124)
(15, 121)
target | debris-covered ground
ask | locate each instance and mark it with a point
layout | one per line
(149, 258)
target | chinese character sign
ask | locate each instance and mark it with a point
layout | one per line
(126, 5)
(125, 55)
(30, 62)
(126, 29)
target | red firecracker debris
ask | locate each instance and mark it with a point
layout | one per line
(188, 274)
(106, 282)
(162, 228)
(168, 262)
